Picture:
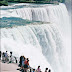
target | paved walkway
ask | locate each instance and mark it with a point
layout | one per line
(4, 67)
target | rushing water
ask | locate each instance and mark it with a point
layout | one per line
(38, 32)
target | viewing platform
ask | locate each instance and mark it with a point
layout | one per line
(5, 67)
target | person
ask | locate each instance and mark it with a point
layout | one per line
(16, 59)
(27, 58)
(26, 65)
(33, 70)
(3, 57)
(49, 70)
(30, 70)
(46, 69)
(20, 61)
(23, 59)
(10, 57)
(10, 53)
(38, 69)
(0, 55)
(6, 56)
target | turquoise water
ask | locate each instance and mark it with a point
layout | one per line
(13, 21)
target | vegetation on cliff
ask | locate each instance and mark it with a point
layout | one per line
(5, 2)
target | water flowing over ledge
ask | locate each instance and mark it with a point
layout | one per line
(47, 13)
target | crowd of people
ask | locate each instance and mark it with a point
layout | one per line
(23, 62)
(24, 66)
(7, 58)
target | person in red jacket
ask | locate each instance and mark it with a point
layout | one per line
(26, 64)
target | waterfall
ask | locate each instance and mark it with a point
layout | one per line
(44, 39)
(43, 42)
(48, 13)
